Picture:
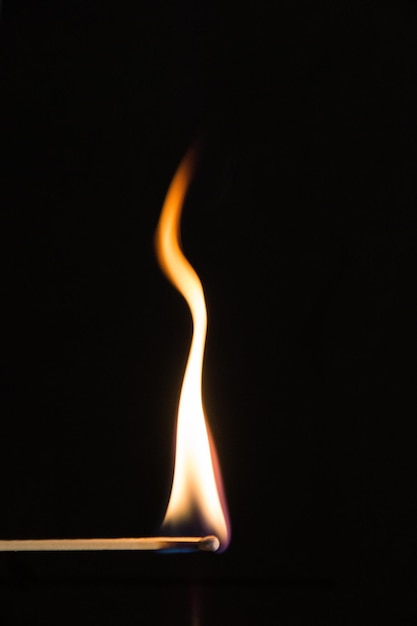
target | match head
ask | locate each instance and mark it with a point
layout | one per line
(209, 544)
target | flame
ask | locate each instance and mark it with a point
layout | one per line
(197, 490)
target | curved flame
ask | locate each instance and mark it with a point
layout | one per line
(197, 489)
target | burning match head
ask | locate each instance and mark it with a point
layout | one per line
(209, 544)
(190, 544)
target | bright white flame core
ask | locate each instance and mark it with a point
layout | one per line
(197, 485)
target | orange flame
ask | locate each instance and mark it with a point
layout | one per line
(197, 489)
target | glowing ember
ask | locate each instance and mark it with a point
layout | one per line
(197, 490)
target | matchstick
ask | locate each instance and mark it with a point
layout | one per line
(166, 544)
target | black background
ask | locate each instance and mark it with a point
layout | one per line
(301, 222)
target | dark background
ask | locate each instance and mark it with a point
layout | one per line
(301, 222)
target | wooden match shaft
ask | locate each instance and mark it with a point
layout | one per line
(174, 544)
